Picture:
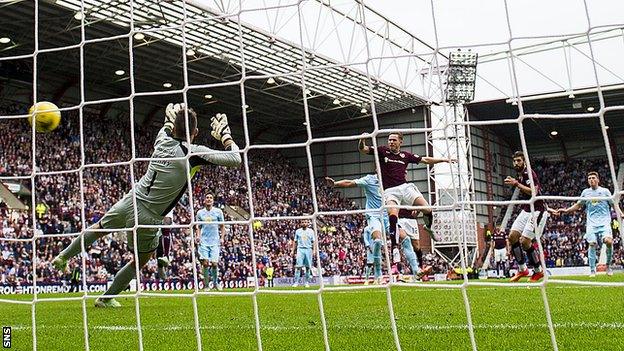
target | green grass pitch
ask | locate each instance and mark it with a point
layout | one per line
(585, 318)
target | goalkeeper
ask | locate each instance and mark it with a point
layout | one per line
(158, 191)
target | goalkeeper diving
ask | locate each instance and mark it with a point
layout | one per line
(158, 191)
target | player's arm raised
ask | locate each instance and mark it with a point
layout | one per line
(363, 148)
(220, 131)
(434, 160)
(171, 111)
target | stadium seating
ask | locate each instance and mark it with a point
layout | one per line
(278, 189)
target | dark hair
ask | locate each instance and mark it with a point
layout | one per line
(180, 123)
(518, 154)
(399, 134)
(593, 173)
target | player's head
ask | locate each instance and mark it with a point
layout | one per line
(305, 223)
(518, 161)
(394, 141)
(179, 127)
(593, 179)
(209, 200)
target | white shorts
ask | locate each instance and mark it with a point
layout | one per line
(404, 194)
(500, 255)
(410, 226)
(527, 222)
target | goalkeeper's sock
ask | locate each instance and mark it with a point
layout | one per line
(410, 255)
(518, 253)
(393, 229)
(534, 259)
(214, 273)
(609, 254)
(591, 253)
(122, 279)
(74, 248)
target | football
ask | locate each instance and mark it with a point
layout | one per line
(46, 116)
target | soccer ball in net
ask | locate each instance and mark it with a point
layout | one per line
(46, 115)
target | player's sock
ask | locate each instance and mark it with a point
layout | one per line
(419, 256)
(166, 241)
(377, 244)
(367, 271)
(308, 273)
(377, 264)
(609, 254)
(534, 259)
(206, 272)
(410, 255)
(122, 279)
(591, 253)
(297, 275)
(393, 229)
(518, 253)
(214, 274)
(74, 248)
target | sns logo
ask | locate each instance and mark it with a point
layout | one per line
(6, 337)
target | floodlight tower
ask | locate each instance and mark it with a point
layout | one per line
(452, 186)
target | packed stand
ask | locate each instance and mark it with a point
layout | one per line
(278, 189)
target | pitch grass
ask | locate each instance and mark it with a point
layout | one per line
(505, 318)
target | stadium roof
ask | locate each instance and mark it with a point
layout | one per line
(585, 101)
(334, 93)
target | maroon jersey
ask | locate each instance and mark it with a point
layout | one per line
(524, 180)
(500, 239)
(394, 166)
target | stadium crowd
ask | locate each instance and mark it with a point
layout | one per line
(279, 189)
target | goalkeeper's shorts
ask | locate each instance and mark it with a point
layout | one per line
(121, 215)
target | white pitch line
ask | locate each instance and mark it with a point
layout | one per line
(418, 327)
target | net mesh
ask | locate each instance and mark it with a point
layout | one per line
(382, 55)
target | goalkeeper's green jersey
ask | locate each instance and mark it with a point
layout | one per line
(165, 181)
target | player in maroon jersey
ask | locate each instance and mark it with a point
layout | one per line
(501, 250)
(524, 227)
(397, 191)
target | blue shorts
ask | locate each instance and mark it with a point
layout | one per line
(595, 234)
(304, 258)
(209, 252)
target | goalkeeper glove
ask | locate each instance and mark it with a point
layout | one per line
(171, 112)
(220, 128)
